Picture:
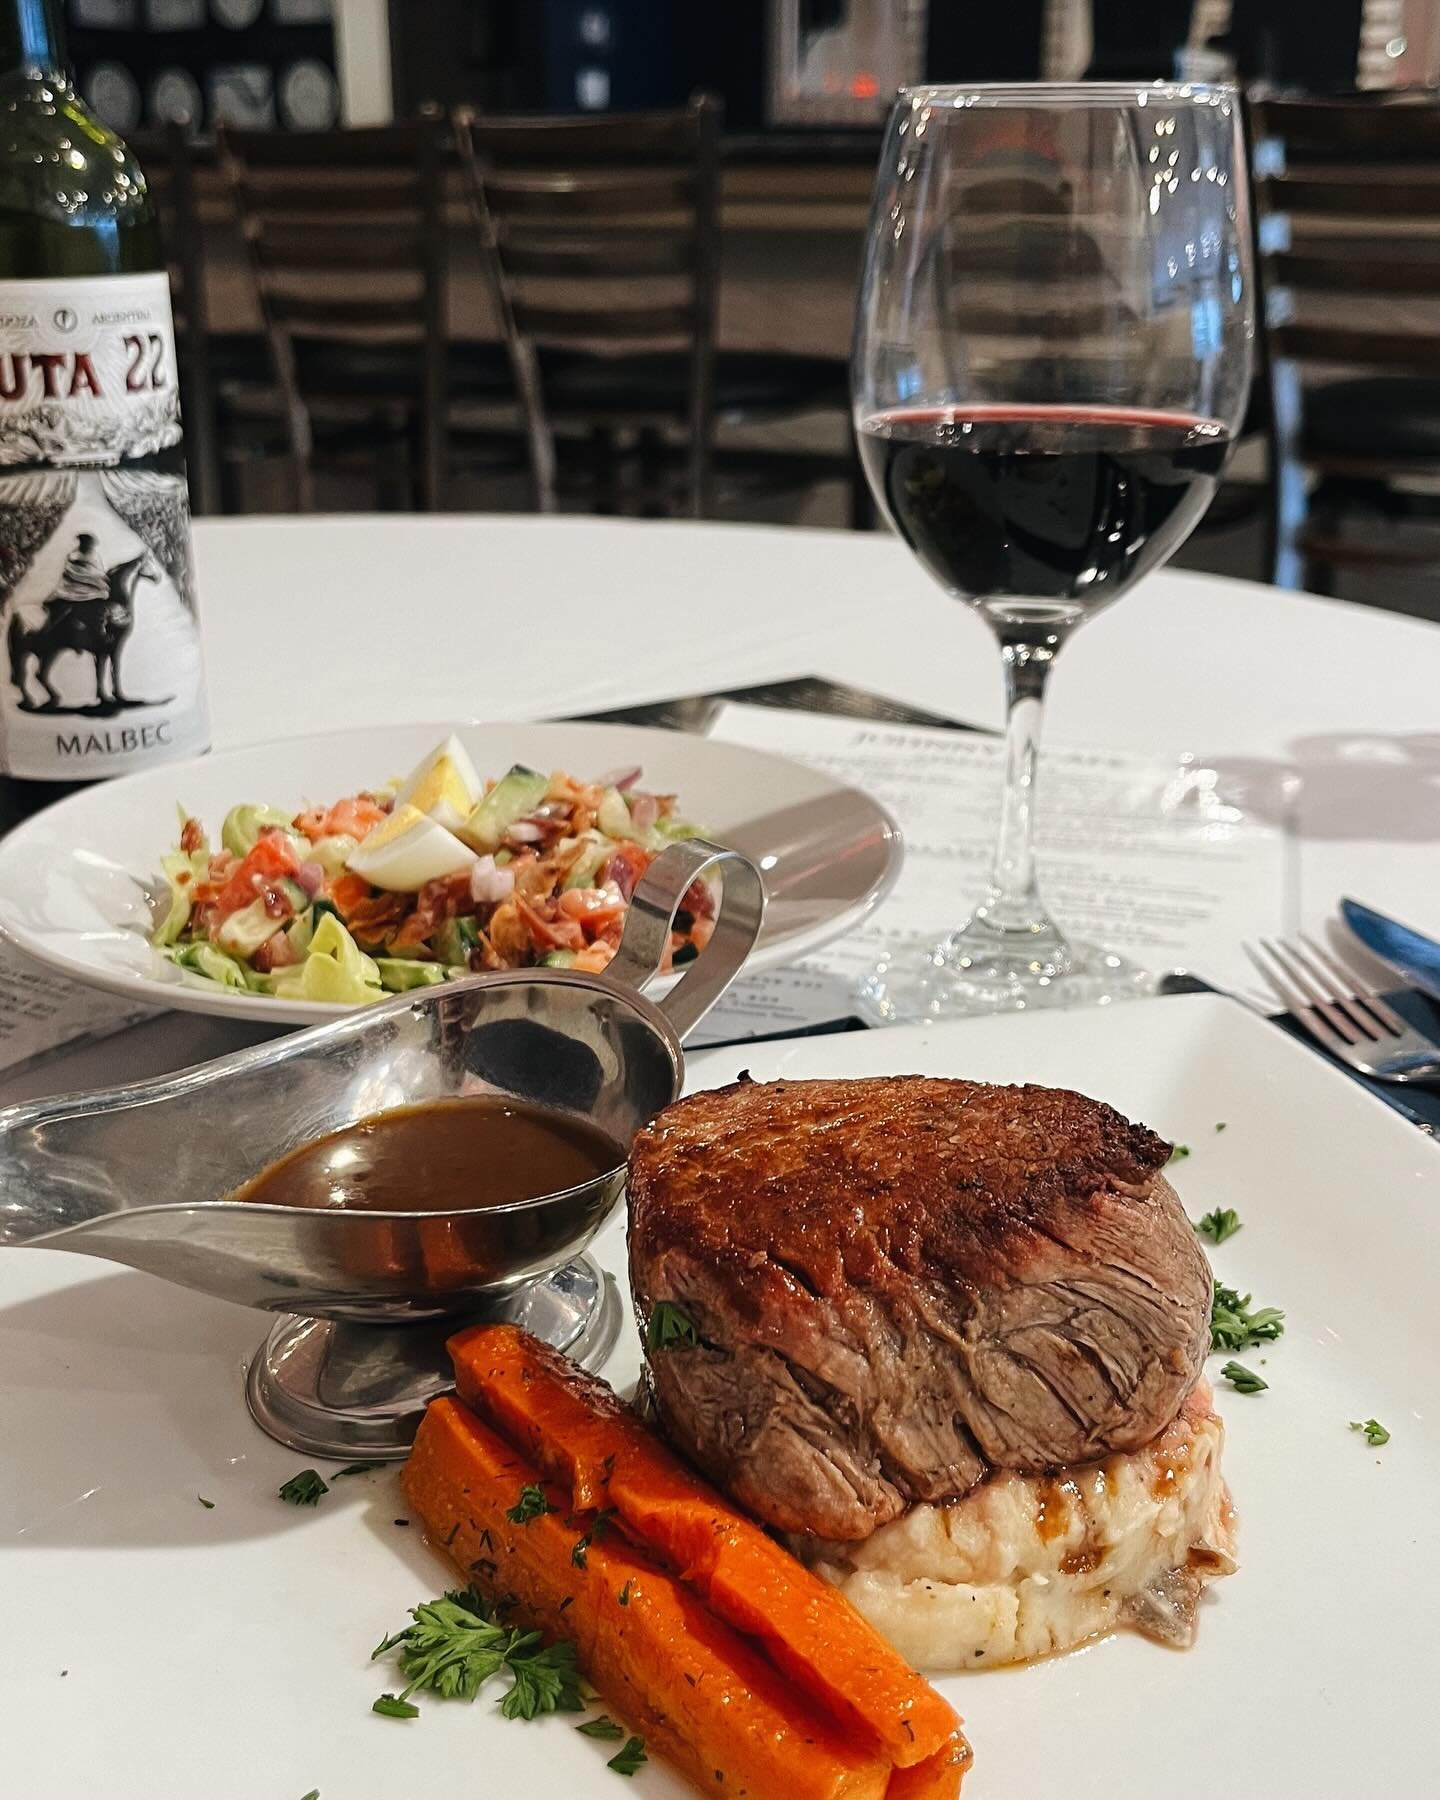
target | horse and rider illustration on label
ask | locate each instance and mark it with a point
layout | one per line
(100, 664)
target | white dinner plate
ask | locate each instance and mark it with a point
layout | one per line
(79, 881)
(161, 1648)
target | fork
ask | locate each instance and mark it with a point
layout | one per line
(1343, 1012)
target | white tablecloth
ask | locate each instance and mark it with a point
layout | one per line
(1329, 712)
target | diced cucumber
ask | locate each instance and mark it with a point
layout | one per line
(673, 830)
(300, 930)
(332, 853)
(558, 959)
(511, 798)
(398, 975)
(245, 931)
(455, 940)
(613, 815)
(294, 893)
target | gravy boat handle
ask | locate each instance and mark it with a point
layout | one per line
(651, 914)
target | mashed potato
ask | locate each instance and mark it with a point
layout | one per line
(1026, 1565)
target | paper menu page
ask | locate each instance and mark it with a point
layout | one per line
(1143, 855)
(40, 1011)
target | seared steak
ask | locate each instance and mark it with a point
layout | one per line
(902, 1283)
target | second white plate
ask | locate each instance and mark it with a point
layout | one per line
(76, 880)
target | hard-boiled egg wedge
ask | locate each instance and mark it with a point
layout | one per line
(407, 850)
(445, 785)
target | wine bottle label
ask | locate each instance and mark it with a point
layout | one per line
(100, 668)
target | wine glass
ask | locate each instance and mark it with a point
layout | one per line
(1052, 357)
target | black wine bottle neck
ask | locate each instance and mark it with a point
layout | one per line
(32, 37)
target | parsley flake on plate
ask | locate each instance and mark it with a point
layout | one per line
(1223, 1223)
(532, 1504)
(1179, 1153)
(1243, 1380)
(390, 1707)
(604, 1728)
(355, 1469)
(1375, 1432)
(304, 1489)
(209, 1505)
(1234, 1327)
(628, 1760)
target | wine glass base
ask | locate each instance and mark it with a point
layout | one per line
(916, 983)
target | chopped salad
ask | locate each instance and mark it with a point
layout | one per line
(437, 876)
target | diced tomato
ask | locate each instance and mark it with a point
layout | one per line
(272, 856)
(626, 864)
(347, 892)
(351, 817)
(276, 952)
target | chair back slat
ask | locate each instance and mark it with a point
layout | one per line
(345, 234)
(624, 324)
(601, 233)
(622, 257)
(1353, 348)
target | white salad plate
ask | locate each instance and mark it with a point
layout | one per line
(160, 1648)
(80, 881)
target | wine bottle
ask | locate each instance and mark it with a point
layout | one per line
(100, 664)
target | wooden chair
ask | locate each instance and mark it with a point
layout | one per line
(346, 235)
(603, 239)
(1349, 194)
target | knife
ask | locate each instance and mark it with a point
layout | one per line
(1412, 956)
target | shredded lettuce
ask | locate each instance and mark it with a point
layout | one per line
(335, 969)
(181, 872)
(398, 975)
(243, 825)
(245, 931)
(210, 963)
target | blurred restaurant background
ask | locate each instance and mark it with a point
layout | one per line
(601, 255)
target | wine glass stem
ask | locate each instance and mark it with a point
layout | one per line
(1013, 904)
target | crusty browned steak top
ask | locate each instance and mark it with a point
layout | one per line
(837, 1182)
(897, 1285)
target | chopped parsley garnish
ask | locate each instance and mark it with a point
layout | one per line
(304, 1489)
(392, 1708)
(1220, 1124)
(546, 1678)
(603, 1728)
(452, 1648)
(1179, 1153)
(1375, 1432)
(1234, 1327)
(1223, 1223)
(670, 1329)
(628, 1760)
(355, 1469)
(624, 1595)
(314, 1794)
(531, 1505)
(599, 1525)
(1243, 1380)
(209, 1505)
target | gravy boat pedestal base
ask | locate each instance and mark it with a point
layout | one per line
(345, 1389)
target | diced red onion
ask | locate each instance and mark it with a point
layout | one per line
(489, 885)
(311, 877)
(525, 831)
(644, 811)
(619, 778)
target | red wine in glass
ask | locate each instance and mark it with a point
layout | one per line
(1044, 513)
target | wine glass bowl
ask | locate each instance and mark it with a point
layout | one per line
(1052, 359)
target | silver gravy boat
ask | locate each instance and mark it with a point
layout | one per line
(140, 1174)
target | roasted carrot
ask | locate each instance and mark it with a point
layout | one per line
(937, 1778)
(701, 1695)
(579, 1433)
